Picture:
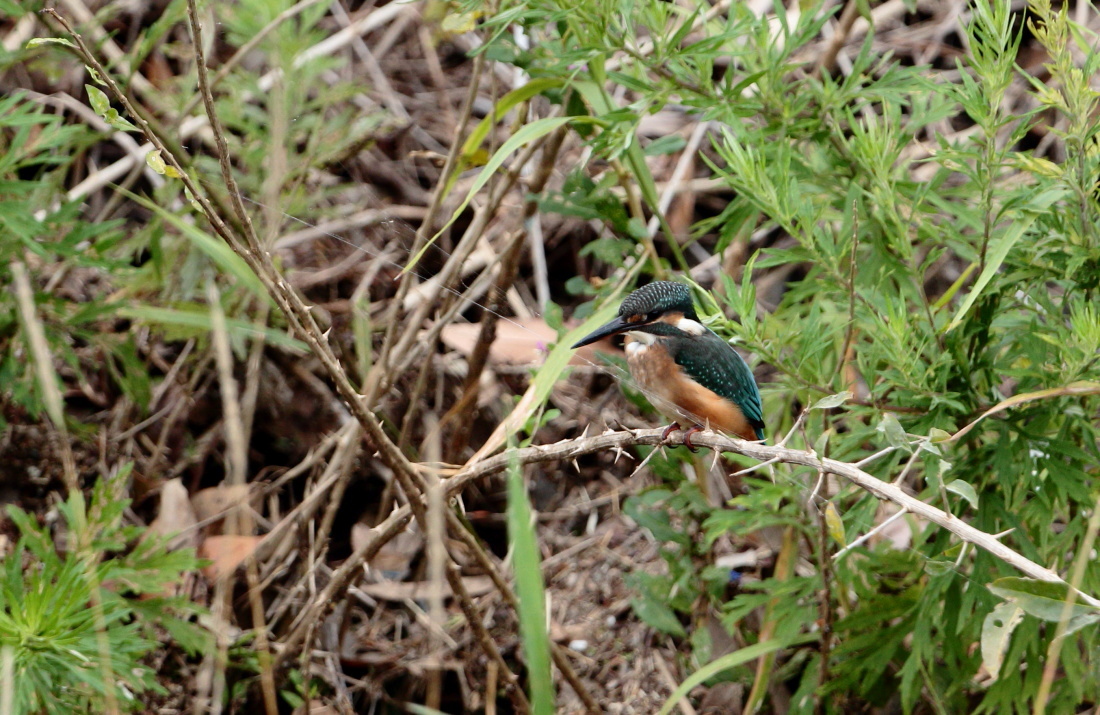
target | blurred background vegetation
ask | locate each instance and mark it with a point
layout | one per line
(891, 209)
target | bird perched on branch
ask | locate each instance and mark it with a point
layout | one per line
(689, 373)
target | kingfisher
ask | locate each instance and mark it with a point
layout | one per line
(688, 373)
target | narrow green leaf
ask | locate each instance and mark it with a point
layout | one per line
(954, 288)
(998, 251)
(215, 249)
(38, 41)
(1042, 599)
(938, 567)
(530, 132)
(544, 381)
(531, 593)
(732, 660)
(504, 105)
(200, 320)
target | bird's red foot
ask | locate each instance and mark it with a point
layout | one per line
(687, 436)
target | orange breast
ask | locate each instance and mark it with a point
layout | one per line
(679, 397)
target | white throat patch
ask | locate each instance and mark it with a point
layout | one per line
(690, 326)
(638, 342)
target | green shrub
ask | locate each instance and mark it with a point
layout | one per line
(78, 618)
(932, 299)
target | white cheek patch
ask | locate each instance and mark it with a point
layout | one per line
(690, 326)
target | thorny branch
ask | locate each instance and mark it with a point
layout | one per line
(571, 449)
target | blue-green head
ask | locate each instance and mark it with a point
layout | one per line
(645, 307)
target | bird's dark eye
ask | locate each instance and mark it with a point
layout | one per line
(652, 316)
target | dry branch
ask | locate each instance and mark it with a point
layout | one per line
(571, 449)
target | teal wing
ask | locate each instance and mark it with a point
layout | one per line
(715, 365)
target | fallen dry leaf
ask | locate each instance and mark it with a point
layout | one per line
(519, 341)
(217, 501)
(393, 559)
(226, 553)
(316, 707)
(175, 515)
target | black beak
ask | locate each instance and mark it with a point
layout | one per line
(618, 325)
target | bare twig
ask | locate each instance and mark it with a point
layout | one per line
(237, 443)
(848, 16)
(871, 534)
(828, 614)
(391, 342)
(1054, 650)
(47, 377)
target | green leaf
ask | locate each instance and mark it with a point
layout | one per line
(531, 593)
(647, 511)
(937, 435)
(1045, 600)
(39, 41)
(835, 524)
(98, 100)
(997, 635)
(528, 133)
(103, 108)
(892, 429)
(215, 249)
(732, 660)
(502, 107)
(156, 163)
(658, 616)
(963, 489)
(938, 567)
(117, 121)
(828, 403)
(665, 145)
(200, 320)
(94, 74)
(998, 251)
(459, 23)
